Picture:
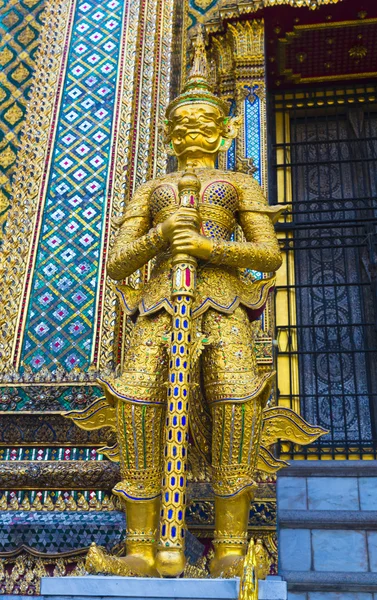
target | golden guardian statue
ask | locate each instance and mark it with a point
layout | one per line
(190, 362)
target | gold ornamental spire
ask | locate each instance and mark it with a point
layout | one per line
(197, 87)
(198, 74)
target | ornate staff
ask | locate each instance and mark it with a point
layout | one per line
(170, 556)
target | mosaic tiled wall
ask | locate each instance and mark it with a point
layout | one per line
(109, 92)
(20, 25)
(61, 312)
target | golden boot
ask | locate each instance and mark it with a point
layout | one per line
(141, 544)
(141, 541)
(230, 540)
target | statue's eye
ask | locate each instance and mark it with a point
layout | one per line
(179, 132)
(207, 129)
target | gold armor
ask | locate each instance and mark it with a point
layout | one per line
(225, 197)
(227, 391)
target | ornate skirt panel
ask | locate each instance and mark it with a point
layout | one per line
(227, 417)
(140, 433)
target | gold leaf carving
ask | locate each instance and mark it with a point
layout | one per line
(267, 462)
(98, 414)
(13, 114)
(203, 3)
(7, 157)
(5, 56)
(112, 452)
(20, 73)
(26, 36)
(4, 203)
(11, 19)
(281, 423)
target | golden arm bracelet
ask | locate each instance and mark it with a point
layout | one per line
(262, 257)
(126, 259)
(260, 251)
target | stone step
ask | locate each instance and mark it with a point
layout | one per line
(98, 587)
(327, 524)
(328, 519)
(332, 582)
(331, 596)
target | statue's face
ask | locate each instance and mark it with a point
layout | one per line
(196, 129)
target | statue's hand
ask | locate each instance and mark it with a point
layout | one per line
(191, 242)
(182, 220)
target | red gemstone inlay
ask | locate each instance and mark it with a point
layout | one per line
(188, 277)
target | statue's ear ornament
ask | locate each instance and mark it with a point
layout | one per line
(169, 149)
(164, 129)
(230, 131)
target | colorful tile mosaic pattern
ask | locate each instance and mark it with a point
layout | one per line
(60, 531)
(253, 131)
(43, 453)
(60, 319)
(41, 398)
(63, 531)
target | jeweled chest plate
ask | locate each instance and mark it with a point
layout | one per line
(218, 205)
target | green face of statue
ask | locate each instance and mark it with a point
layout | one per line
(196, 129)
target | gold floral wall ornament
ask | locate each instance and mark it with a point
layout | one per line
(21, 571)
(20, 74)
(301, 57)
(13, 114)
(7, 158)
(358, 52)
(5, 56)
(203, 4)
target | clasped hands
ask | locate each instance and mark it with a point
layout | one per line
(181, 231)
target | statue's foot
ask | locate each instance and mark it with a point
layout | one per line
(98, 561)
(144, 565)
(228, 566)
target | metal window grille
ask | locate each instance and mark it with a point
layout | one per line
(323, 167)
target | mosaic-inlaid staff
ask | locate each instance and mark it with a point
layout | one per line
(170, 556)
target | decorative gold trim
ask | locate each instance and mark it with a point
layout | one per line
(185, 40)
(325, 78)
(332, 25)
(55, 501)
(58, 475)
(47, 555)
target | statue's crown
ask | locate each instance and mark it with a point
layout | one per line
(197, 87)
